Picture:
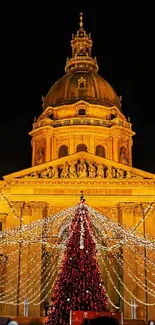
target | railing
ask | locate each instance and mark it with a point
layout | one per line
(81, 58)
(81, 121)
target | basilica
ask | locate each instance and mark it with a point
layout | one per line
(81, 141)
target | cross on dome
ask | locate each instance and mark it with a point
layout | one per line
(81, 20)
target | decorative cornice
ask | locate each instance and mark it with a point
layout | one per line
(72, 182)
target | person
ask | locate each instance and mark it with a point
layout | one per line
(26, 306)
(107, 320)
(150, 322)
(5, 320)
(13, 322)
(82, 198)
(46, 306)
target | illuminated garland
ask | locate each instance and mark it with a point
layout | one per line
(125, 287)
(57, 232)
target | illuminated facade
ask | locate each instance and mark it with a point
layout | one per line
(82, 141)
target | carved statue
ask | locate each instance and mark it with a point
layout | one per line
(44, 173)
(137, 176)
(40, 156)
(109, 172)
(43, 100)
(120, 99)
(65, 170)
(120, 173)
(49, 170)
(123, 159)
(72, 170)
(92, 170)
(113, 172)
(82, 169)
(34, 175)
(100, 171)
(54, 172)
(128, 174)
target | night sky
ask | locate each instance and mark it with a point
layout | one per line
(35, 43)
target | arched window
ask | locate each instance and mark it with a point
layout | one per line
(100, 151)
(81, 111)
(81, 84)
(81, 52)
(113, 116)
(50, 116)
(81, 147)
(63, 151)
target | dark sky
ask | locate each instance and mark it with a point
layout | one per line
(35, 43)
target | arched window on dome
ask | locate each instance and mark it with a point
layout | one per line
(81, 147)
(100, 151)
(63, 151)
(81, 84)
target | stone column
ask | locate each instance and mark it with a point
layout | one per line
(48, 149)
(130, 152)
(116, 148)
(72, 144)
(54, 151)
(110, 149)
(33, 144)
(91, 144)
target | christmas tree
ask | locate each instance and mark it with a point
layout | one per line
(79, 285)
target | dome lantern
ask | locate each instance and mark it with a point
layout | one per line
(81, 44)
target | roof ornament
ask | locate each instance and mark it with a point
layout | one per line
(81, 20)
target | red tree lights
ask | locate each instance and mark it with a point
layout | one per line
(79, 285)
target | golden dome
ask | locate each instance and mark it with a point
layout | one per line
(81, 81)
(82, 85)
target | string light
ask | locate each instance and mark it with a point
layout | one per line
(52, 234)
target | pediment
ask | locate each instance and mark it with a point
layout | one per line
(82, 165)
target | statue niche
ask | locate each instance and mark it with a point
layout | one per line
(40, 156)
(123, 155)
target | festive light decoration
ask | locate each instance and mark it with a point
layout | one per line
(45, 241)
(9, 204)
(79, 285)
